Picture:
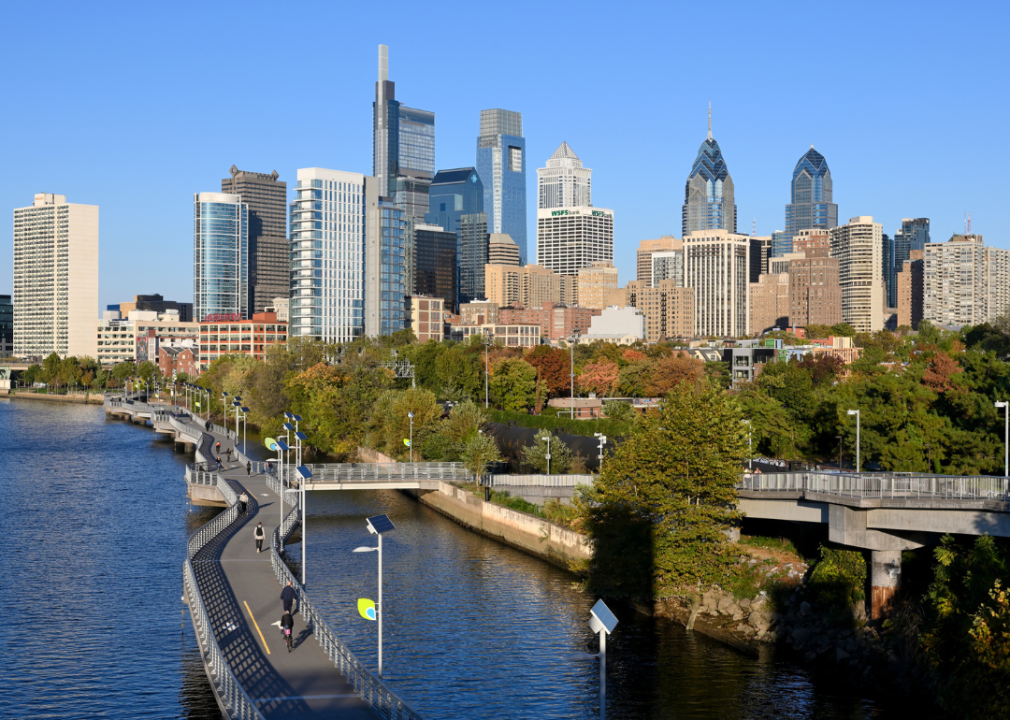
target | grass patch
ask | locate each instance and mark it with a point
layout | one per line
(771, 543)
(566, 425)
(551, 511)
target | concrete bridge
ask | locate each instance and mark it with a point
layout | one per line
(884, 513)
(233, 592)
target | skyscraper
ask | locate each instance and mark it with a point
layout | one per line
(858, 245)
(646, 248)
(709, 202)
(454, 194)
(6, 326)
(266, 198)
(473, 245)
(220, 256)
(564, 182)
(384, 269)
(716, 265)
(435, 265)
(501, 165)
(811, 193)
(329, 221)
(55, 278)
(403, 146)
(913, 235)
(888, 270)
(572, 238)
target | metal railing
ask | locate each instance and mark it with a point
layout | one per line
(881, 485)
(538, 480)
(366, 684)
(233, 696)
(349, 472)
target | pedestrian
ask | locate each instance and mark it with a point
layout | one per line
(243, 502)
(260, 536)
(248, 468)
(289, 596)
(219, 465)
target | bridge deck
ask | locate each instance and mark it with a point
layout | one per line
(241, 592)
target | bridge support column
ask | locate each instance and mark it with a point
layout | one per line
(885, 577)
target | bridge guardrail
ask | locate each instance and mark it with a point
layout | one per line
(237, 702)
(350, 472)
(368, 686)
(881, 485)
(539, 480)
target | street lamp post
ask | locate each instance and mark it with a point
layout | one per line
(603, 622)
(603, 441)
(410, 445)
(378, 525)
(750, 447)
(282, 446)
(547, 437)
(575, 339)
(856, 413)
(1006, 440)
(487, 344)
(303, 475)
(224, 408)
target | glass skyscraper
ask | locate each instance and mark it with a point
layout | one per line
(328, 225)
(403, 146)
(913, 235)
(384, 269)
(811, 192)
(501, 165)
(709, 201)
(220, 256)
(456, 193)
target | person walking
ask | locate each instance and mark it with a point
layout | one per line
(288, 596)
(219, 465)
(248, 468)
(260, 536)
(243, 502)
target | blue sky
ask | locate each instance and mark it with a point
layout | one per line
(134, 107)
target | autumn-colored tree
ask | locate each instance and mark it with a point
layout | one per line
(599, 377)
(671, 371)
(631, 355)
(553, 368)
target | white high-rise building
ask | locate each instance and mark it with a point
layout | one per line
(573, 238)
(564, 183)
(964, 282)
(55, 278)
(859, 249)
(717, 266)
(328, 231)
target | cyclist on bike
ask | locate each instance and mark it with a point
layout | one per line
(287, 627)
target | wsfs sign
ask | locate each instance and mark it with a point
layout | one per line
(222, 317)
(555, 213)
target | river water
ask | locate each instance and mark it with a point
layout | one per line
(94, 515)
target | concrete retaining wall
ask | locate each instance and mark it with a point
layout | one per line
(537, 495)
(558, 545)
(369, 455)
(91, 399)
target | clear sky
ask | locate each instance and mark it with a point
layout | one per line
(136, 106)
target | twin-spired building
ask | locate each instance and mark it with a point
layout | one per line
(55, 278)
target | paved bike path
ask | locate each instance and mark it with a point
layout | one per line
(242, 596)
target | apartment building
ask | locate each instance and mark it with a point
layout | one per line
(965, 283)
(858, 247)
(507, 335)
(815, 293)
(556, 321)
(910, 290)
(425, 317)
(668, 310)
(717, 266)
(646, 249)
(240, 337)
(529, 286)
(595, 284)
(769, 303)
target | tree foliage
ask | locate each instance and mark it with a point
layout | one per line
(513, 384)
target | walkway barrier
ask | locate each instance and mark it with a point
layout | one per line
(349, 472)
(368, 686)
(237, 702)
(881, 485)
(539, 480)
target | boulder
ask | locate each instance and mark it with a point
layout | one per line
(744, 604)
(801, 635)
(805, 609)
(725, 602)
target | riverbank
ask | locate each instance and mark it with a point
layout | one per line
(79, 399)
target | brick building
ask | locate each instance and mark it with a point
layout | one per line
(175, 360)
(910, 295)
(668, 310)
(815, 294)
(556, 321)
(769, 303)
(240, 337)
(425, 318)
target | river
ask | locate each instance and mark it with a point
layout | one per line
(95, 516)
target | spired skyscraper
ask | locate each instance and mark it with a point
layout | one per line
(811, 193)
(403, 146)
(501, 164)
(709, 202)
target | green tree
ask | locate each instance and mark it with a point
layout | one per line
(390, 422)
(619, 411)
(513, 384)
(535, 455)
(479, 450)
(660, 510)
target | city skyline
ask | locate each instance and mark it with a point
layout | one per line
(759, 126)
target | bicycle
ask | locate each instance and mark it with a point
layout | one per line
(287, 637)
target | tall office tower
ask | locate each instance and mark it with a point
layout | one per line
(6, 326)
(811, 194)
(473, 248)
(595, 283)
(455, 193)
(329, 221)
(574, 237)
(266, 198)
(55, 278)
(760, 252)
(667, 265)
(564, 182)
(435, 264)
(644, 256)
(403, 146)
(220, 256)
(913, 235)
(384, 269)
(717, 266)
(501, 250)
(910, 291)
(709, 202)
(815, 292)
(888, 270)
(858, 246)
(782, 243)
(501, 164)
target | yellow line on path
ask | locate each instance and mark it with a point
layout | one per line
(257, 627)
